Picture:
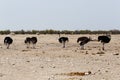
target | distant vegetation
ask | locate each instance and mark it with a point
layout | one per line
(60, 32)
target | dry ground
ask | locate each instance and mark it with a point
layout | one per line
(49, 61)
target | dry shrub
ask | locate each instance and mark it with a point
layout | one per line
(77, 73)
(25, 50)
(100, 52)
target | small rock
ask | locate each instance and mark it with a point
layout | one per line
(106, 71)
(54, 67)
(42, 67)
(13, 64)
(27, 61)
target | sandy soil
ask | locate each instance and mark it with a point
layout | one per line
(49, 61)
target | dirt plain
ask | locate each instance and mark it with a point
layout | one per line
(49, 61)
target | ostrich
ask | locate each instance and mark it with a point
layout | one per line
(63, 40)
(83, 40)
(32, 40)
(27, 41)
(104, 39)
(8, 41)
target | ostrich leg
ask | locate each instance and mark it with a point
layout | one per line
(82, 47)
(34, 46)
(8, 46)
(28, 45)
(63, 44)
(103, 47)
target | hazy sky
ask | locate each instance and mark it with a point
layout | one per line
(59, 14)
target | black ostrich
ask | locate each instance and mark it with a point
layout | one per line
(28, 41)
(104, 39)
(83, 40)
(63, 40)
(8, 41)
(32, 40)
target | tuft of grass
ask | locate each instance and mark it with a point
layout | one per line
(25, 50)
(100, 52)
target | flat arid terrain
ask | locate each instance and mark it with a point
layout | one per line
(49, 61)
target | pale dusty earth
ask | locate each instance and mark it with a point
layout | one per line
(49, 61)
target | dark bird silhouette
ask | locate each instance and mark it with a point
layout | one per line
(83, 40)
(104, 39)
(32, 40)
(8, 41)
(63, 40)
(28, 41)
